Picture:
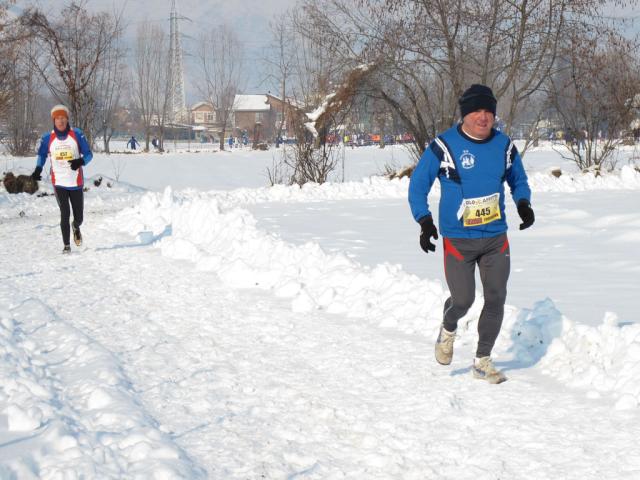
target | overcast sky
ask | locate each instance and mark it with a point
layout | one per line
(207, 11)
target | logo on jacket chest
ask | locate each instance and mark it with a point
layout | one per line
(467, 159)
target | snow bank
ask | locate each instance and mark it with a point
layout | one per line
(376, 187)
(194, 227)
(228, 242)
(627, 178)
(369, 188)
(603, 359)
(67, 407)
(373, 187)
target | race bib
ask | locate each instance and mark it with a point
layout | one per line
(480, 210)
(63, 153)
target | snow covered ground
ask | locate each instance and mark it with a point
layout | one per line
(213, 327)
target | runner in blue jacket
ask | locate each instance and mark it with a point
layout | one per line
(472, 160)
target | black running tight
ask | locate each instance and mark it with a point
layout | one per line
(65, 197)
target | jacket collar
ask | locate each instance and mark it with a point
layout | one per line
(61, 134)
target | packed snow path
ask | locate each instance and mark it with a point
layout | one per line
(130, 363)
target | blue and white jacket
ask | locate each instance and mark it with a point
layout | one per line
(60, 148)
(467, 169)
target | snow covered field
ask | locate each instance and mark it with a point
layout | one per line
(213, 327)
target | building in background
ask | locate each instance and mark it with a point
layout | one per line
(204, 122)
(260, 117)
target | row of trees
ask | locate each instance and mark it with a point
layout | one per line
(78, 57)
(560, 59)
(219, 57)
(404, 62)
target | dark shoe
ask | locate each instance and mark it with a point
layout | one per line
(77, 236)
(66, 249)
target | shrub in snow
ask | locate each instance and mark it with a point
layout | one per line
(403, 172)
(19, 184)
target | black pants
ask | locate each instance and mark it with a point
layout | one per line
(492, 257)
(76, 198)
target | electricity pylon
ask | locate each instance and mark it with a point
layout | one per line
(177, 102)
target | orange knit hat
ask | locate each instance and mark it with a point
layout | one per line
(59, 110)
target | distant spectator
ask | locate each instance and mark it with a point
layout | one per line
(133, 143)
(569, 137)
(155, 143)
(582, 140)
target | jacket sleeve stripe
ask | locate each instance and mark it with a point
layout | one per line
(447, 164)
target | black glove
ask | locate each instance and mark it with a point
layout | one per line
(76, 163)
(36, 175)
(526, 213)
(428, 230)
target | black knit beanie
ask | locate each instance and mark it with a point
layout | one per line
(477, 97)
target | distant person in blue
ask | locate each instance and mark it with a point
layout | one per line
(230, 142)
(68, 151)
(133, 143)
(472, 160)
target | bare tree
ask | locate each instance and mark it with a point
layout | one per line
(18, 85)
(320, 99)
(221, 57)
(76, 43)
(150, 81)
(594, 94)
(108, 84)
(279, 63)
(427, 52)
(164, 107)
(9, 41)
(23, 84)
